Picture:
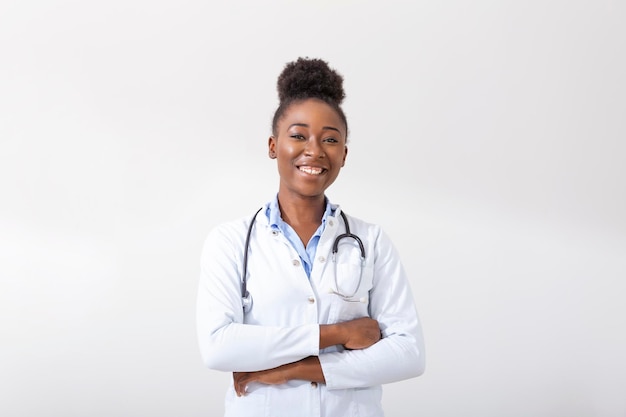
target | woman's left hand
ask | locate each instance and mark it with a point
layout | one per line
(307, 369)
(274, 376)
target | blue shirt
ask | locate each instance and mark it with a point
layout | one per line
(307, 254)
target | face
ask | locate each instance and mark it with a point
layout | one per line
(310, 148)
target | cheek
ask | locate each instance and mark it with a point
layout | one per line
(339, 158)
(284, 156)
(285, 151)
(284, 163)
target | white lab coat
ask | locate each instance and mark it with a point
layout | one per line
(283, 323)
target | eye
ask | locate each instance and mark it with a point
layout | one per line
(331, 140)
(297, 136)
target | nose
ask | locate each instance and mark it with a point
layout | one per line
(313, 148)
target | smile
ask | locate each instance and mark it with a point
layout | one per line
(312, 170)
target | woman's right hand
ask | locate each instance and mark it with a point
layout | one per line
(360, 333)
(354, 334)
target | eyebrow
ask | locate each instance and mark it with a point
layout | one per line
(306, 125)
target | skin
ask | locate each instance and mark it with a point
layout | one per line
(310, 134)
(310, 148)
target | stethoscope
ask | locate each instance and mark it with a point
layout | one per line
(245, 294)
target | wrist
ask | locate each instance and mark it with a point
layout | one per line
(307, 369)
(330, 335)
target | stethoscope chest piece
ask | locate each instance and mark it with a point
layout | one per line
(246, 300)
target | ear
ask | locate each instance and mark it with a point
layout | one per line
(345, 154)
(271, 147)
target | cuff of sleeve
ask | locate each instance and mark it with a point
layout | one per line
(329, 363)
(315, 339)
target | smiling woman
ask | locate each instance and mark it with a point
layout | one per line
(309, 145)
(333, 318)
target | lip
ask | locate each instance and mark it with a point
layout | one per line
(302, 168)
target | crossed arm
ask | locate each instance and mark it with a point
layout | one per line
(354, 334)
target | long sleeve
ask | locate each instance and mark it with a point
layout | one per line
(400, 353)
(226, 343)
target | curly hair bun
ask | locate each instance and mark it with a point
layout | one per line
(310, 78)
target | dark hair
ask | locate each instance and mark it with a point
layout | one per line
(308, 78)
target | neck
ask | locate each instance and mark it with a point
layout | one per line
(301, 211)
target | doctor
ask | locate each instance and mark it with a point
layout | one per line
(328, 321)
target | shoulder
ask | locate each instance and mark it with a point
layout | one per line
(227, 234)
(359, 225)
(371, 232)
(234, 231)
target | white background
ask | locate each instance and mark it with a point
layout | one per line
(487, 138)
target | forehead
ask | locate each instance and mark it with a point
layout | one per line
(312, 112)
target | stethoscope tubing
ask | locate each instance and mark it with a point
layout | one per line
(244, 281)
(245, 294)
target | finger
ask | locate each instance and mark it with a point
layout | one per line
(237, 386)
(241, 387)
(239, 383)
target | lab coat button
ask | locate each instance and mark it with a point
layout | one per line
(321, 259)
(275, 232)
(331, 223)
(313, 384)
(295, 262)
(311, 300)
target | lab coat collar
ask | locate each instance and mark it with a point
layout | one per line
(264, 215)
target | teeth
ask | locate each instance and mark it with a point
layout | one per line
(311, 170)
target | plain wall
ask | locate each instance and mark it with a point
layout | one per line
(487, 138)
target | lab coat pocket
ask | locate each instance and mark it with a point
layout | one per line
(255, 402)
(351, 291)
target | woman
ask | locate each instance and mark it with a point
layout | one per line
(319, 332)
